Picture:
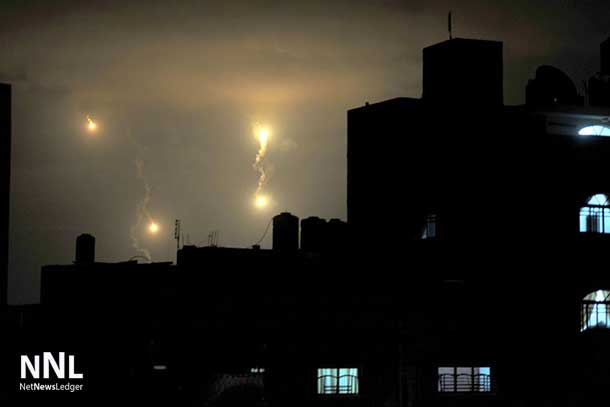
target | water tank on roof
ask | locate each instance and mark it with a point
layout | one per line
(285, 232)
(313, 234)
(85, 249)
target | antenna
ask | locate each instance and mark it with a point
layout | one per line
(584, 83)
(450, 26)
(213, 238)
(177, 234)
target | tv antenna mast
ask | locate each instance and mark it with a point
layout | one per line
(213, 238)
(177, 234)
(450, 26)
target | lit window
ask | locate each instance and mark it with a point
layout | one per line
(595, 216)
(596, 310)
(429, 231)
(595, 131)
(464, 379)
(338, 381)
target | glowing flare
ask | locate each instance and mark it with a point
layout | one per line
(262, 134)
(153, 228)
(91, 125)
(261, 201)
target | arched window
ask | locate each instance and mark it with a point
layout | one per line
(596, 310)
(595, 130)
(338, 381)
(595, 216)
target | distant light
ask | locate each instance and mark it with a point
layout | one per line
(257, 370)
(160, 367)
(261, 201)
(596, 130)
(153, 228)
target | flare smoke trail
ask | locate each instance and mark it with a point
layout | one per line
(142, 212)
(262, 135)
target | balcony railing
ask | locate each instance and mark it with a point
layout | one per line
(464, 383)
(595, 315)
(332, 384)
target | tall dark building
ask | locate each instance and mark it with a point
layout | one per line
(464, 71)
(5, 180)
(599, 84)
(501, 196)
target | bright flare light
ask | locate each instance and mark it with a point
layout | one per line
(153, 228)
(262, 134)
(91, 125)
(261, 201)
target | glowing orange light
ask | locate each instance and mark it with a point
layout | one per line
(91, 125)
(153, 228)
(262, 134)
(261, 201)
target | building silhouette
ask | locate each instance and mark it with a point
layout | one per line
(463, 71)
(472, 270)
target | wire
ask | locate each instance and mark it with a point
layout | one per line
(264, 234)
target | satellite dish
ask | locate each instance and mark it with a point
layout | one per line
(551, 87)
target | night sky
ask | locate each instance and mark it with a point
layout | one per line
(178, 85)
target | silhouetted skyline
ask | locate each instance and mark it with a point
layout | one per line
(178, 86)
(438, 287)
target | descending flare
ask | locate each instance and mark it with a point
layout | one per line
(91, 125)
(261, 201)
(153, 228)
